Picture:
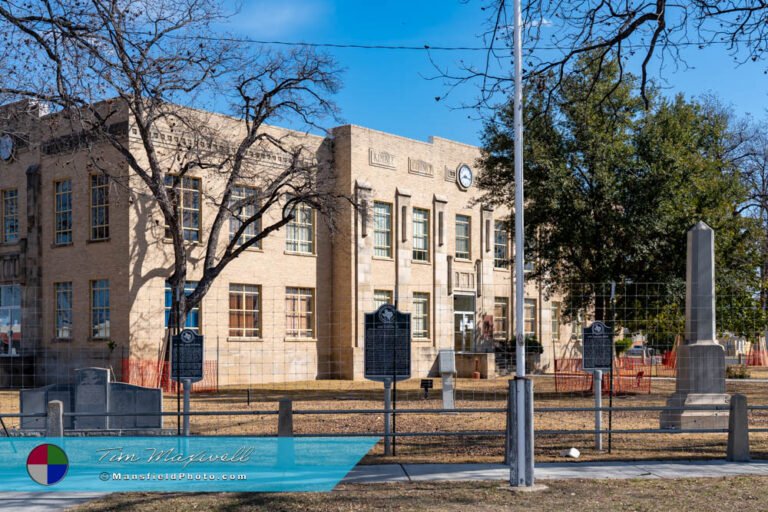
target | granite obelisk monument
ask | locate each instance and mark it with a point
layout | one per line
(700, 360)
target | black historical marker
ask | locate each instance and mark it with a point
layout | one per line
(387, 344)
(598, 347)
(187, 356)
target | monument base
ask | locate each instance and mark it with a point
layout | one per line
(700, 381)
(675, 418)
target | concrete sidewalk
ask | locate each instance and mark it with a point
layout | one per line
(44, 501)
(555, 471)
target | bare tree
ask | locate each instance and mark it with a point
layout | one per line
(152, 60)
(558, 35)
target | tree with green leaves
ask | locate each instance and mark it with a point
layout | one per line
(612, 188)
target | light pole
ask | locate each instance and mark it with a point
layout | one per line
(521, 456)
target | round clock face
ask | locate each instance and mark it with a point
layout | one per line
(464, 176)
(6, 147)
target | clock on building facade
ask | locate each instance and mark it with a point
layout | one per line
(464, 177)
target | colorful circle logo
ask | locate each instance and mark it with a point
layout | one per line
(47, 464)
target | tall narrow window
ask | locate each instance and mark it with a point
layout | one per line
(63, 212)
(99, 207)
(187, 206)
(500, 245)
(529, 325)
(100, 309)
(193, 317)
(300, 232)
(420, 234)
(382, 229)
(420, 315)
(244, 205)
(381, 297)
(555, 321)
(463, 237)
(299, 312)
(10, 215)
(63, 310)
(244, 311)
(10, 319)
(500, 318)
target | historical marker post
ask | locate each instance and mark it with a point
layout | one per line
(387, 354)
(598, 357)
(187, 348)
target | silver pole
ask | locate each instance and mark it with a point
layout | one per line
(187, 386)
(522, 473)
(597, 379)
(519, 196)
(387, 416)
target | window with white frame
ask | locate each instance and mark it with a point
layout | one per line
(243, 206)
(463, 237)
(63, 212)
(187, 206)
(382, 229)
(529, 324)
(99, 207)
(420, 234)
(500, 245)
(10, 213)
(381, 297)
(501, 318)
(100, 309)
(555, 321)
(299, 312)
(10, 319)
(244, 311)
(300, 231)
(63, 310)
(420, 315)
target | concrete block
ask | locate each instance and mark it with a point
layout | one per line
(738, 430)
(54, 425)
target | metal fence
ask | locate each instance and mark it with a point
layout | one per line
(249, 375)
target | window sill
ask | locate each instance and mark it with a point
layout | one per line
(169, 241)
(250, 249)
(421, 340)
(382, 258)
(9, 243)
(419, 262)
(239, 339)
(98, 340)
(97, 240)
(61, 340)
(304, 254)
(501, 269)
(462, 260)
(292, 340)
(57, 246)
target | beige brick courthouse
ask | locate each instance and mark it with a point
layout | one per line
(84, 262)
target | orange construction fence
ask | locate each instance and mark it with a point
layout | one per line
(153, 374)
(630, 375)
(757, 356)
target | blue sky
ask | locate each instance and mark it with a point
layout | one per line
(389, 90)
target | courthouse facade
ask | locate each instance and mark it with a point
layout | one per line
(84, 261)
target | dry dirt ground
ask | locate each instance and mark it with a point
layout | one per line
(745, 494)
(348, 396)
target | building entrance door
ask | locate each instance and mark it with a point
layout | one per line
(464, 323)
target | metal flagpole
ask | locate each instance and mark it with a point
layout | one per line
(521, 473)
